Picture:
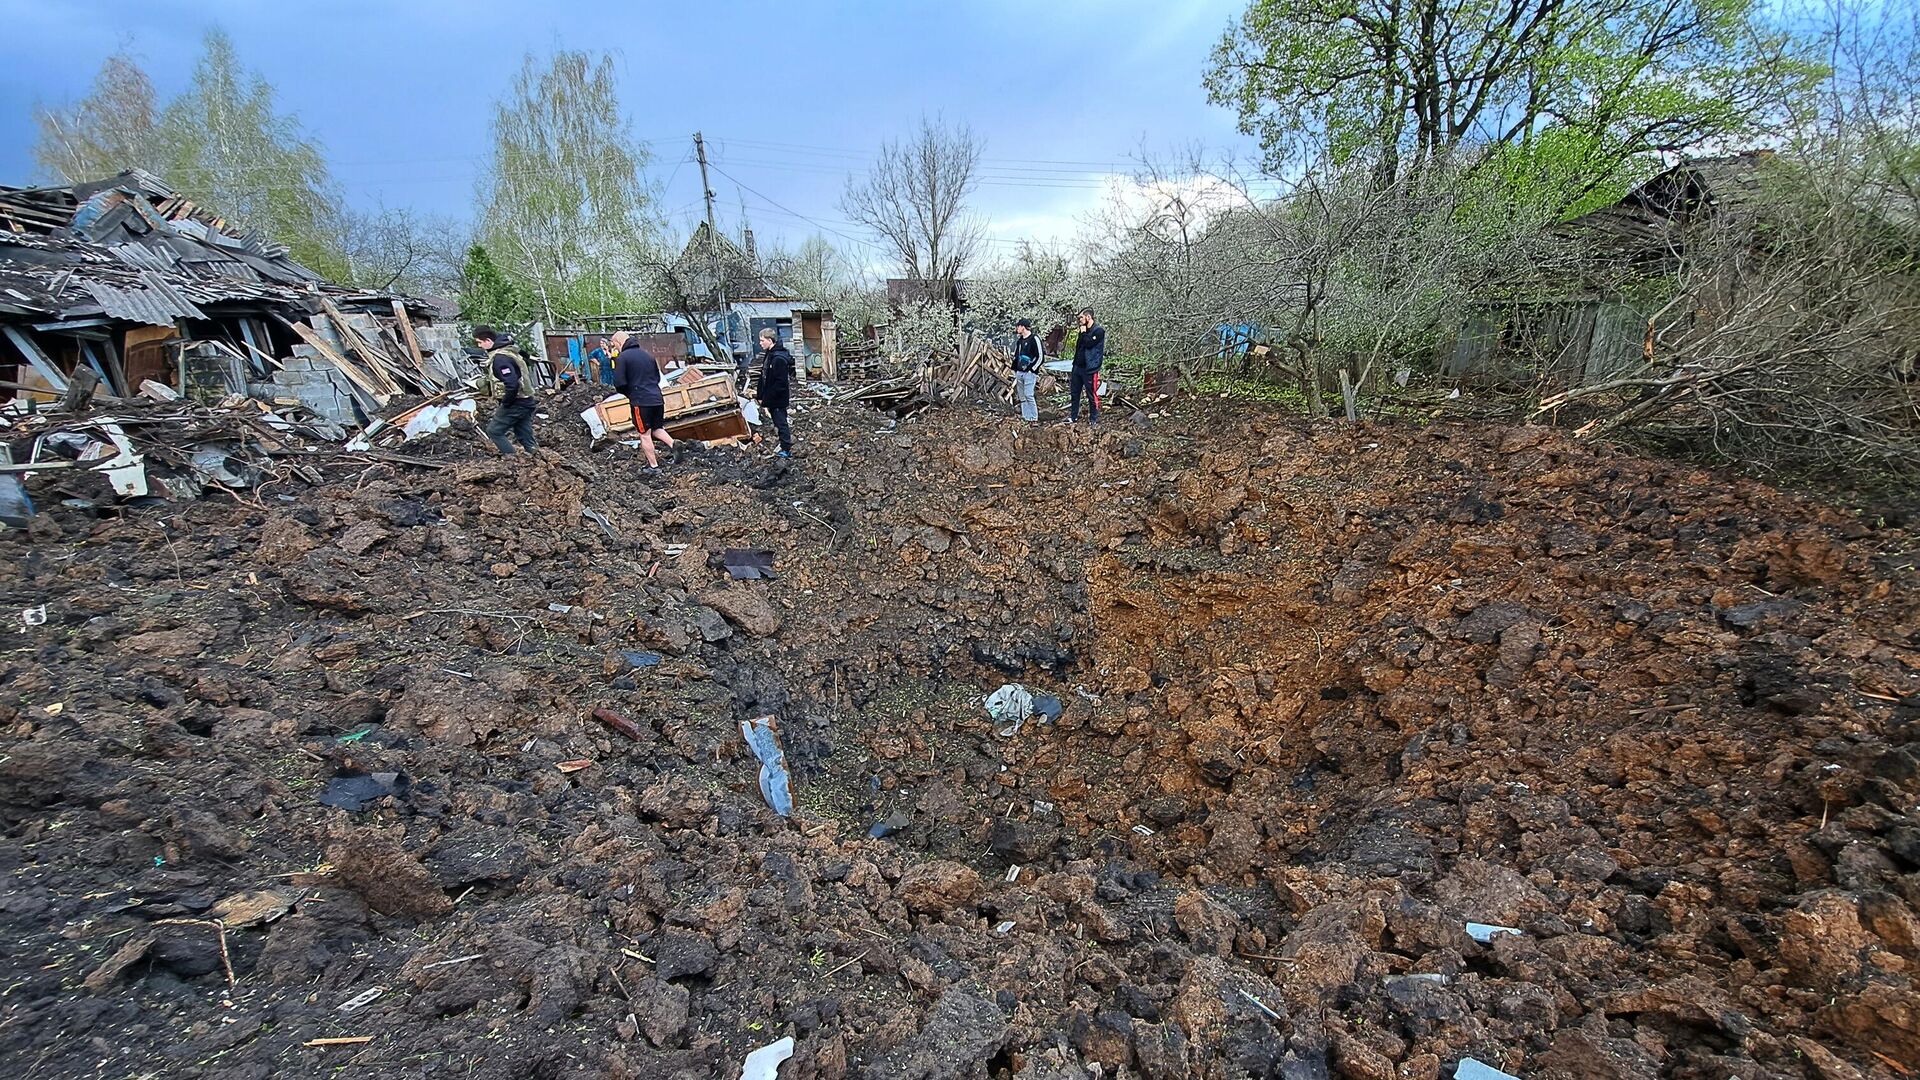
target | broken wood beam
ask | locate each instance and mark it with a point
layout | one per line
(616, 722)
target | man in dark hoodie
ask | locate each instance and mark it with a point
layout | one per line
(515, 413)
(636, 373)
(776, 386)
(1089, 352)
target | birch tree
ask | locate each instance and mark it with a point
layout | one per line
(109, 130)
(566, 212)
(223, 143)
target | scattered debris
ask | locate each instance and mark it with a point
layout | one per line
(340, 1040)
(763, 738)
(764, 1063)
(456, 960)
(361, 1000)
(886, 827)
(1009, 708)
(354, 790)
(16, 509)
(255, 908)
(747, 564)
(1473, 1069)
(1484, 932)
(1263, 1007)
(575, 609)
(615, 722)
(34, 616)
(574, 766)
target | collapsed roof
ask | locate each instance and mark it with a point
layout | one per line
(130, 248)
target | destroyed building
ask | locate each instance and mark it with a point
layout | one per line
(1685, 245)
(129, 282)
(719, 276)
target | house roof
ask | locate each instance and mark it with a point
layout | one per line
(743, 278)
(130, 248)
(908, 290)
(1644, 219)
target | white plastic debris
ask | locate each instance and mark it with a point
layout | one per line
(1002, 929)
(1471, 1069)
(1485, 932)
(1009, 707)
(34, 616)
(750, 412)
(1013, 874)
(1143, 830)
(764, 1063)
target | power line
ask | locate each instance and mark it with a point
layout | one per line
(751, 189)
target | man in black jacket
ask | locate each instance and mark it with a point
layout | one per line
(637, 375)
(1089, 352)
(776, 386)
(515, 413)
(1026, 369)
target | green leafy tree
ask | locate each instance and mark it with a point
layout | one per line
(486, 295)
(1576, 89)
(221, 143)
(224, 143)
(565, 208)
(107, 132)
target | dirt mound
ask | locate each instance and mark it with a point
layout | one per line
(1379, 747)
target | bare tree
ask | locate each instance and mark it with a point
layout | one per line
(915, 199)
(399, 249)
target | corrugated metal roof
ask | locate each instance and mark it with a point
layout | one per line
(142, 256)
(155, 303)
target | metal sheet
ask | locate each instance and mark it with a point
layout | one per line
(155, 302)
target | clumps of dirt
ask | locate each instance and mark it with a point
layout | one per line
(1330, 695)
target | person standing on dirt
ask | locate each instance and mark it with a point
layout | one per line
(1026, 369)
(1089, 352)
(637, 375)
(599, 362)
(776, 386)
(515, 413)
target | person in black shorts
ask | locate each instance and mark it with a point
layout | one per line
(637, 375)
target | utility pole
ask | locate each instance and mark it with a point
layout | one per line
(713, 248)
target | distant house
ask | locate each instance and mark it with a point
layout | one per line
(1591, 318)
(751, 301)
(129, 280)
(904, 291)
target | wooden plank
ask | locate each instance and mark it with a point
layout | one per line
(351, 338)
(359, 379)
(406, 333)
(41, 362)
(104, 358)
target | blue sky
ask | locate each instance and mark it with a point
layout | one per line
(791, 96)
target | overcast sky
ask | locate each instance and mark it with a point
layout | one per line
(791, 96)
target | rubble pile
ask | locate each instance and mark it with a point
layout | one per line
(1369, 750)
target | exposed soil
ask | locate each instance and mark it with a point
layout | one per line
(1330, 694)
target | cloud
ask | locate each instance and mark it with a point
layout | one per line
(1068, 216)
